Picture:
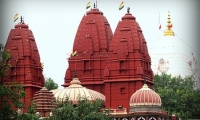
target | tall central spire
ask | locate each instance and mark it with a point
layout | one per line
(169, 32)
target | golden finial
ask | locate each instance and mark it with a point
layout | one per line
(169, 32)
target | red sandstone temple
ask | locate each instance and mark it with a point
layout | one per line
(110, 67)
(24, 60)
(115, 65)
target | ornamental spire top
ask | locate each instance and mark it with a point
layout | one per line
(169, 32)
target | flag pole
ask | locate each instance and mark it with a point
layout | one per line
(159, 19)
(75, 62)
(159, 27)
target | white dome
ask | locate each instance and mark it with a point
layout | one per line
(76, 90)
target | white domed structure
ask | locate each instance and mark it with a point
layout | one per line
(173, 55)
(145, 100)
(76, 90)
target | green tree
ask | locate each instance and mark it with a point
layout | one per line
(50, 84)
(84, 110)
(31, 113)
(11, 93)
(4, 62)
(178, 96)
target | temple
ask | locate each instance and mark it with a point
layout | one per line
(24, 60)
(114, 65)
(172, 55)
(91, 44)
(115, 68)
(128, 63)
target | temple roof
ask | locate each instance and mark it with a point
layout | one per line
(91, 43)
(127, 45)
(94, 33)
(25, 59)
(44, 99)
(145, 96)
(76, 91)
(128, 37)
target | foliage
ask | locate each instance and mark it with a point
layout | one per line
(11, 93)
(4, 61)
(50, 84)
(178, 96)
(31, 113)
(10, 96)
(83, 110)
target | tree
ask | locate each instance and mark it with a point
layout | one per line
(50, 84)
(4, 62)
(11, 93)
(178, 96)
(83, 110)
(31, 113)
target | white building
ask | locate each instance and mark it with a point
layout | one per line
(171, 55)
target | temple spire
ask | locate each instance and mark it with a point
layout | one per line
(169, 32)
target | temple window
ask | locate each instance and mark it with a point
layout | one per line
(86, 64)
(122, 90)
(122, 65)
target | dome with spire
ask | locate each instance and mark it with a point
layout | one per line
(144, 99)
(145, 96)
(76, 91)
(170, 52)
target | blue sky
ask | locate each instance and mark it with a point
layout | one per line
(54, 24)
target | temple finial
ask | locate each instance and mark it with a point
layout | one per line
(128, 10)
(145, 81)
(75, 74)
(169, 32)
(168, 21)
(21, 20)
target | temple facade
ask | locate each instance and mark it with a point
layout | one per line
(24, 60)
